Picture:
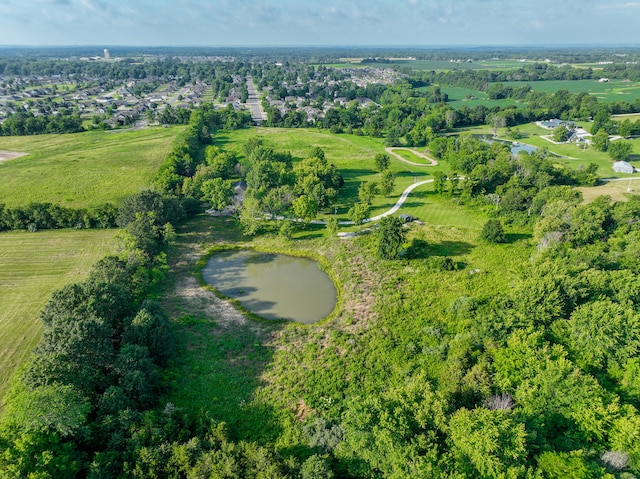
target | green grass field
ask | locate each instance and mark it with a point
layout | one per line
(576, 156)
(83, 169)
(237, 372)
(614, 90)
(459, 97)
(410, 156)
(629, 116)
(353, 156)
(32, 266)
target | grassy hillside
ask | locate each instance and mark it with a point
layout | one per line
(83, 169)
(263, 380)
(353, 155)
(32, 266)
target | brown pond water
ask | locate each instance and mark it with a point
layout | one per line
(273, 286)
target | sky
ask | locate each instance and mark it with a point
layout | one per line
(319, 22)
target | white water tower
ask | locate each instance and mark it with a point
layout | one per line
(106, 54)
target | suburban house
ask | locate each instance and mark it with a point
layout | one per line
(555, 123)
(577, 133)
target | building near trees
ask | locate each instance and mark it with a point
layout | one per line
(623, 167)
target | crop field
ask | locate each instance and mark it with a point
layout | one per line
(441, 65)
(353, 156)
(459, 96)
(614, 90)
(83, 169)
(32, 266)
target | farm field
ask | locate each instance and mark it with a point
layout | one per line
(32, 266)
(614, 90)
(459, 97)
(83, 169)
(442, 65)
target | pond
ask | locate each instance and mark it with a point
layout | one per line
(273, 286)
(516, 147)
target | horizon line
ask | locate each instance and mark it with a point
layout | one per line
(329, 46)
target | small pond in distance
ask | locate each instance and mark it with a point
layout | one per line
(273, 286)
(515, 146)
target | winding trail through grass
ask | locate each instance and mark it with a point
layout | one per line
(391, 151)
(390, 211)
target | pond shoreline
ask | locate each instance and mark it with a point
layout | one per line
(322, 263)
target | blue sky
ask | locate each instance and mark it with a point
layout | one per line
(318, 22)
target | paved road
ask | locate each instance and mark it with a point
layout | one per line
(255, 106)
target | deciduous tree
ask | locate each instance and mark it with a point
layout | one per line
(619, 150)
(391, 236)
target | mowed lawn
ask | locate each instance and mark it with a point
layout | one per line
(571, 154)
(32, 266)
(82, 169)
(353, 156)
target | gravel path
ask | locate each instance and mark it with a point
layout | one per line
(390, 211)
(391, 151)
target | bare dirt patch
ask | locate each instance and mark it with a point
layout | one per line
(6, 155)
(187, 297)
(618, 190)
(198, 301)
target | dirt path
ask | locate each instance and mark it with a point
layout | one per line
(10, 155)
(391, 151)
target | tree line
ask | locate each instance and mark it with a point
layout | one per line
(23, 123)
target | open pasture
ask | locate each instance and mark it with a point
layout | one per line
(353, 156)
(82, 169)
(32, 266)
(617, 190)
(614, 90)
(459, 96)
(626, 116)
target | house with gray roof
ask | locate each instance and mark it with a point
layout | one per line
(623, 167)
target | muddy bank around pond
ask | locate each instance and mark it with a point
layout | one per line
(273, 286)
